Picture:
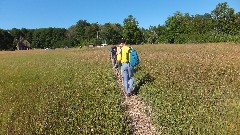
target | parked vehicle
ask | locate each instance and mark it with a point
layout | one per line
(102, 45)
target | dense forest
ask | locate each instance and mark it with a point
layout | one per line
(221, 25)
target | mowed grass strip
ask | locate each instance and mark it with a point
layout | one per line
(193, 89)
(68, 91)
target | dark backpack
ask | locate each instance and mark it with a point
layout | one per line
(113, 49)
(134, 59)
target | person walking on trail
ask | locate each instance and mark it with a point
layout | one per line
(122, 42)
(113, 55)
(127, 70)
(119, 48)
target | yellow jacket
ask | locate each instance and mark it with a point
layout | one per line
(123, 54)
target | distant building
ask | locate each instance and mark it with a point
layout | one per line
(91, 45)
(23, 44)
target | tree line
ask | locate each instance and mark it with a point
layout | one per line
(221, 25)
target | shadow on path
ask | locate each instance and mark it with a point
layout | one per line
(137, 68)
(146, 79)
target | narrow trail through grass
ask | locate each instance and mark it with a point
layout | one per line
(138, 112)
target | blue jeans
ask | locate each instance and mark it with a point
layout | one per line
(127, 74)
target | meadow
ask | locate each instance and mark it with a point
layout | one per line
(68, 91)
(192, 89)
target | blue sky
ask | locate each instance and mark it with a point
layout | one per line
(32, 14)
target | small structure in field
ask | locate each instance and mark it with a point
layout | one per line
(23, 44)
(91, 45)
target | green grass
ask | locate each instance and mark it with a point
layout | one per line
(59, 92)
(193, 89)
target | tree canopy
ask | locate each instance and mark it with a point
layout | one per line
(221, 25)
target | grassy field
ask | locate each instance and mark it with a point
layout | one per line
(193, 89)
(59, 92)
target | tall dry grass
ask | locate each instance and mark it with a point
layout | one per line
(59, 92)
(193, 89)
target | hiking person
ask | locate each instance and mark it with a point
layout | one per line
(113, 55)
(119, 48)
(127, 70)
(122, 42)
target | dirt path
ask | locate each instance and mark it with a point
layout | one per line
(139, 113)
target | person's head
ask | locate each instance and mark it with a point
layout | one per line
(122, 41)
(122, 44)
